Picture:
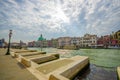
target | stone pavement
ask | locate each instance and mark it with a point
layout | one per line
(11, 69)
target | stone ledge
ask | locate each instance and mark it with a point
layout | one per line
(69, 71)
(118, 72)
(38, 60)
(16, 55)
(26, 62)
(33, 53)
(21, 51)
(45, 58)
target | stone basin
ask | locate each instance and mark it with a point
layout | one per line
(63, 69)
(45, 69)
(35, 60)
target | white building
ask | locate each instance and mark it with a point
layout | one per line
(75, 41)
(88, 40)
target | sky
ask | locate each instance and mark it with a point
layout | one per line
(57, 18)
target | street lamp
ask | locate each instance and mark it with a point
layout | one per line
(8, 50)
(41, 45)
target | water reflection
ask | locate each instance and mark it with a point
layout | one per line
(96, 73)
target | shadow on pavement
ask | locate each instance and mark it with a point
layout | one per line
(21, 65)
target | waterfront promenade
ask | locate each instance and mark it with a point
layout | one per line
(11, 69)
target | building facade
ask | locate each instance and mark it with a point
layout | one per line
(76, 41)
(88, 40)
(64, 41)
(31, 44)
(41, 42)
(54, 43)
(2, 43)
(20, 45)
(115, 38)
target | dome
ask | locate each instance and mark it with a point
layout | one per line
(41, 38)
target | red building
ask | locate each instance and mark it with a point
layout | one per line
(104, 41)
(114, 42)
(100, 42)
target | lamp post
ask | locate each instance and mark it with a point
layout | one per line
(8, 50)
(41, 45)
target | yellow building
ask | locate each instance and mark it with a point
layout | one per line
(116, 36)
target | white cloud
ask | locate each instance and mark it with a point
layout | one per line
(59, 17)
(104, 18)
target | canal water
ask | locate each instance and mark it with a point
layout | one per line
(103, 62)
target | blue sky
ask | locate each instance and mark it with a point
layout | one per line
(55, 18)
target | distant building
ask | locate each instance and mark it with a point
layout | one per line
(76, 41)
(88, 40)
(100, 42)
(108, 41)
(63, 41)
(3, 44)
(18, 45)
(49, 43)
(22, 44)
(54, 43)
(31, 44)
(104, 41)
(115, 37)
(41, 41)
(114, 42)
